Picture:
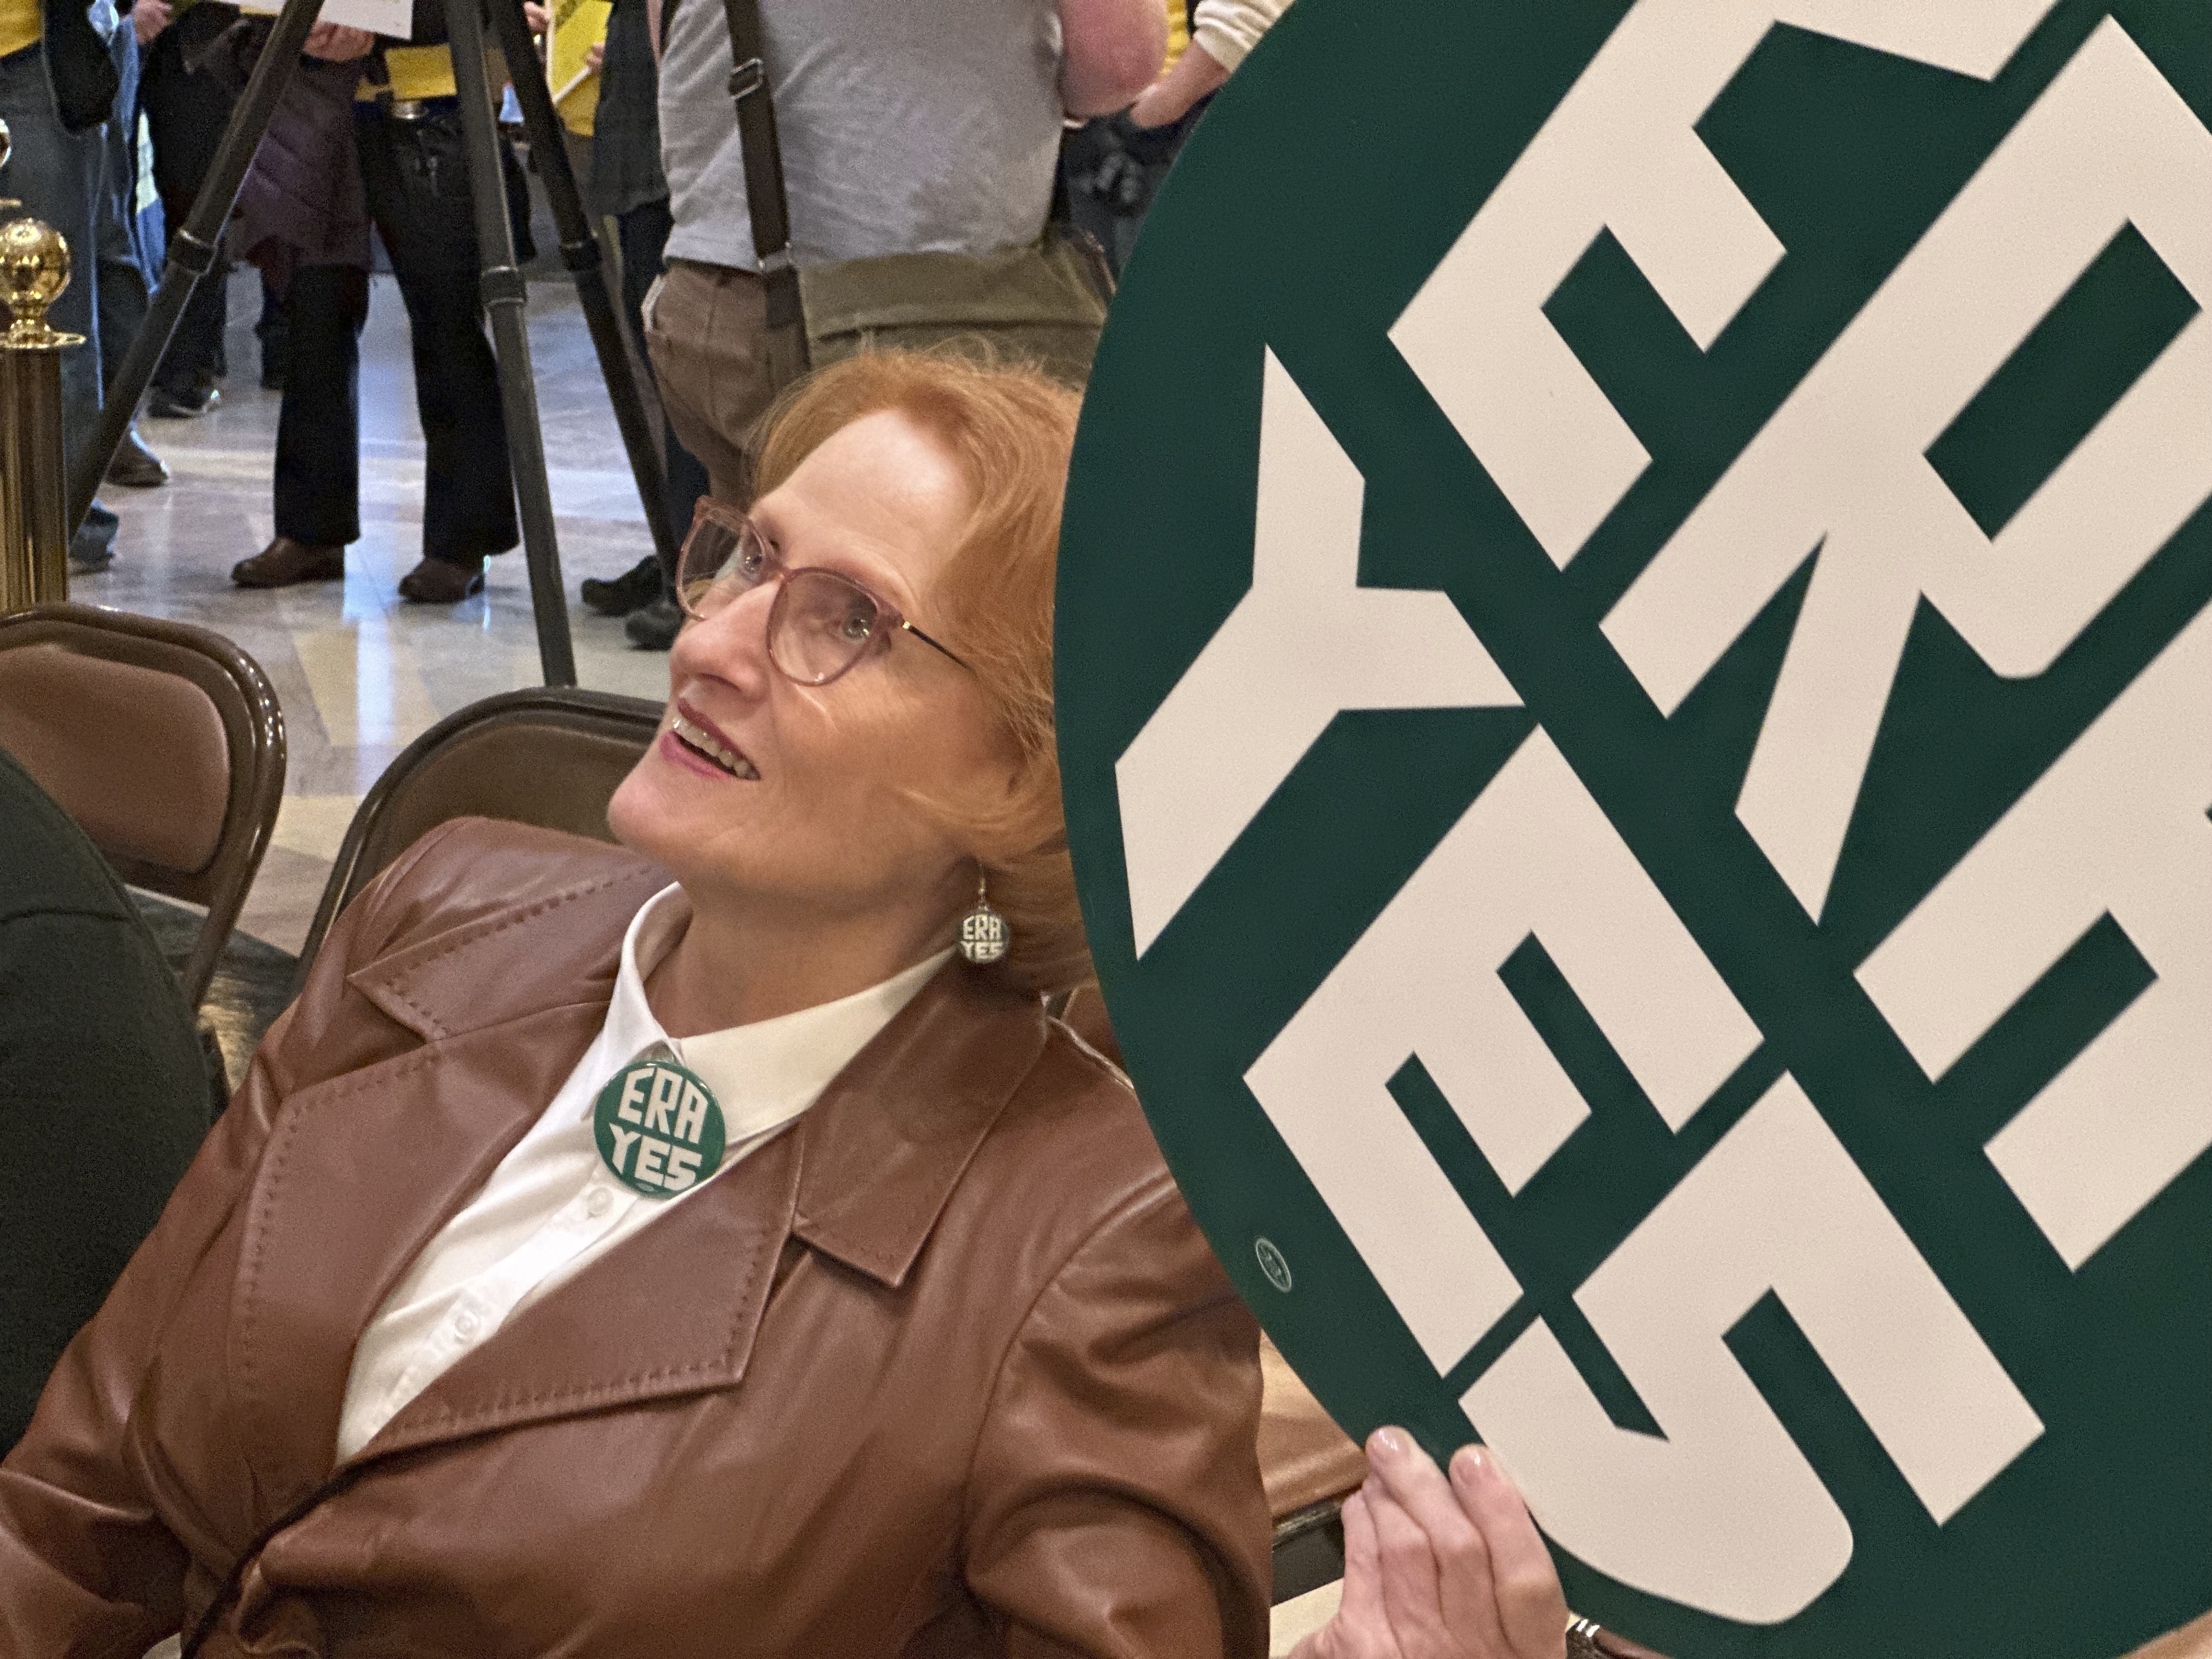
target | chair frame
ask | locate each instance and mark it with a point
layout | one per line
(1308, 1551)
(253, 729)
(353, 869)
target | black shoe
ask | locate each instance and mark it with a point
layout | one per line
(654, 626)
(164, 405)
(136, 465)
(639, 585)
(440, 582)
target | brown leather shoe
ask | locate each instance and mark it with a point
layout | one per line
(440, 582)
(285, 562)
(134, 466)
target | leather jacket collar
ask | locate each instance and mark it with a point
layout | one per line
(504, 1004)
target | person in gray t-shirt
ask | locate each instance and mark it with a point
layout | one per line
(906, 126)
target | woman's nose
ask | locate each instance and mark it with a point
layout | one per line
(731, 642)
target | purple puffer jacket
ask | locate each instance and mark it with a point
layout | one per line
(302, 202)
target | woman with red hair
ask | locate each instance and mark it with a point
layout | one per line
(710, 1246)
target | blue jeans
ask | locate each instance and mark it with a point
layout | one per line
(124, 279)
(61, 177)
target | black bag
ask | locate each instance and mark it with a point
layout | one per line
(82, 73)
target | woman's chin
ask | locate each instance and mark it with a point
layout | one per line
(659, 808)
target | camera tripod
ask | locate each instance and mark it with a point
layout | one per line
(192, 257)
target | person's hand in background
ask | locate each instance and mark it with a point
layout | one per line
(334, 43)
(1441, 1569)
(148, 19)
(1169, 99)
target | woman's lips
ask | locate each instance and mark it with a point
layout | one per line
(676, 752)
(697, 740)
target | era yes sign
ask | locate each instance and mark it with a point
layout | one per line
(1636, 693)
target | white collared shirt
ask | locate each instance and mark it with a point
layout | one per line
(552, 1206)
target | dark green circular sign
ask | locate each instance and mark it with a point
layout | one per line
(1636, 700)
(659, 1127)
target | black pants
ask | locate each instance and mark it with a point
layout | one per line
(643, 233)
(186, 113)
(418, 195)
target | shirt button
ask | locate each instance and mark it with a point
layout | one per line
(597, 1203)
(466, 1325)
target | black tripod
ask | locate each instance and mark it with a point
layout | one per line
(192, 256)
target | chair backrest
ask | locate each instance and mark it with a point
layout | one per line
(549, 756)
(162, 740)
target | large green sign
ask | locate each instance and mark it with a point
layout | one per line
(1636, 692)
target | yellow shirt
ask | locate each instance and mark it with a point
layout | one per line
(21, 25)
(1178, 34)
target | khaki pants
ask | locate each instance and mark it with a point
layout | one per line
(706, 328)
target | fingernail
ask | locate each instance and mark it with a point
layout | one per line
(1471, 1463)
(1389, 1442)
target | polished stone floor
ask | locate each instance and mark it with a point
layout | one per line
(359, 671)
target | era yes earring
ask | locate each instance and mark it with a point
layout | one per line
(984, 934)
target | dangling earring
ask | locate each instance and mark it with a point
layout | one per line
(984, 935)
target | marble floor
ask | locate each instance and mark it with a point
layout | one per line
(359, 671)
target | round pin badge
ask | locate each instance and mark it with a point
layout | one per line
(659, 1127)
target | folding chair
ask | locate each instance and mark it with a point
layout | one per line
(162, 740)
(548, 756)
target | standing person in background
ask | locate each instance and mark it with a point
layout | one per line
(373, 135)
(57, 91)
(931, 126)
(187, 106)
(629, 187)
(1115, 165)
(126, 264)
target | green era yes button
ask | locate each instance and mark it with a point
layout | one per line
(659, 1127)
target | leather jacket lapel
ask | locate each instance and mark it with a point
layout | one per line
(361, 1170)
(890, 1137)
(671, 1309)
(406, 1143)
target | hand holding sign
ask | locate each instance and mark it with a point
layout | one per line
(337, 43)
(1441, 1569)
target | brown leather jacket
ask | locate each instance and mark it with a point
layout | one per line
(945, 1369)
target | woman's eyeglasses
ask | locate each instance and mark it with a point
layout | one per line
(821, 622)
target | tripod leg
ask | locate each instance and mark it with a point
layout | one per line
(504, 294)
(192, 251)
(580, 251)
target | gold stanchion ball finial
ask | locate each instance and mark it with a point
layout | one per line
(34, 268)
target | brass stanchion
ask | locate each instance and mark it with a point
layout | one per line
(34, 267)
